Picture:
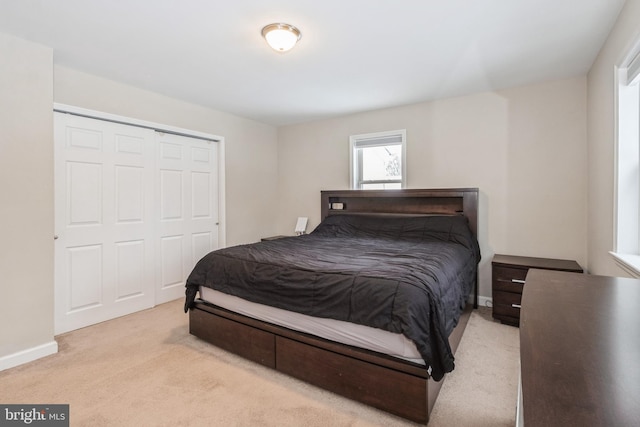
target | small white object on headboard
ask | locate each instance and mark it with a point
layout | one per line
(301, 225)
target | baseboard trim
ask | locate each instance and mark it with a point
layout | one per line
(28, 355)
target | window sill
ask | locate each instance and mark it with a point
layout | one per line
(628, 262)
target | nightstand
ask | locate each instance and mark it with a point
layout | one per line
(266, 239)
(507, 281)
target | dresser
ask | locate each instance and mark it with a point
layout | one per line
(579, 348)
(508, 273)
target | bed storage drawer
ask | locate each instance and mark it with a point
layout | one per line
(368, 383)
(387, 383)
(250, 343)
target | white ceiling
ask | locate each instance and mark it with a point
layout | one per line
(354, 55)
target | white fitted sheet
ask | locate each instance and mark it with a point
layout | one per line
(361, 336)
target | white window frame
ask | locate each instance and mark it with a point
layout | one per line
(626, 244)
(370, 140)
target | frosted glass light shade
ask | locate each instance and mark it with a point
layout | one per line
(281, 37)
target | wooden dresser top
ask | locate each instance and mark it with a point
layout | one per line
(580, 350)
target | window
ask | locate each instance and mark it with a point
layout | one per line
(378, 160)
(627, 209)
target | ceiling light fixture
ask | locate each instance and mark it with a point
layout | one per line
(281, 37)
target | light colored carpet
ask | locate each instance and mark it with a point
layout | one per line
(146, 370)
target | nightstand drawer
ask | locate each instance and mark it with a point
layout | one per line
(509, 273)
(507, 299)
(509, 279)
(508, 285)
(506, 307)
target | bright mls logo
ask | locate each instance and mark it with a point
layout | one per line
(36, 415)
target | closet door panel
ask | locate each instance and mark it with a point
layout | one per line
(104, 190)
(187, 209)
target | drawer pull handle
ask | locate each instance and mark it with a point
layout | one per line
(516, 305)
(518, 281)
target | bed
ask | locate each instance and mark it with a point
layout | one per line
(399, 264)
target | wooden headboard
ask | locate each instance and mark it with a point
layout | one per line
(445, 201)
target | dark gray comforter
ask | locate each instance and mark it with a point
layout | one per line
(409, 275)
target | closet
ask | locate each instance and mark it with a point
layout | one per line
(136, 206)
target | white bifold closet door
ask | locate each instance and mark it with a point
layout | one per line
(134, 210)
(187, 210)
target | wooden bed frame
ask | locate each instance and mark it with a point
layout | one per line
(393, 385)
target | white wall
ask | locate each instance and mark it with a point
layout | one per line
(250, 146)
(601, 142)
(26, 200)
(525, 148)
(29, 89)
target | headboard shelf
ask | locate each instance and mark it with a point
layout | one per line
(445, 201)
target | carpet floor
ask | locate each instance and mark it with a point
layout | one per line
(146, 370)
